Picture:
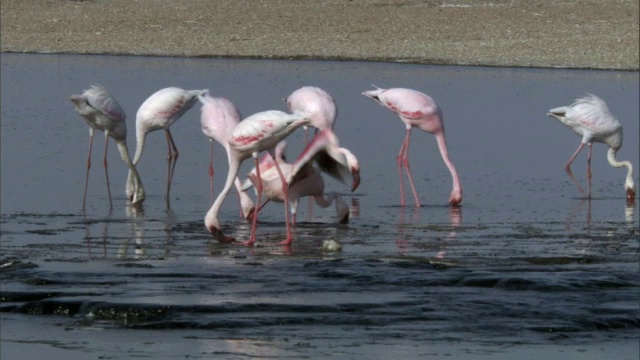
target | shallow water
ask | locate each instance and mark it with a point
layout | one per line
(525, 266)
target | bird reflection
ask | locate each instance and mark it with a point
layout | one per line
(136, 215)
(89, 238)
(455, 219)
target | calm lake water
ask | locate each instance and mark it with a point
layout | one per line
(525, 268)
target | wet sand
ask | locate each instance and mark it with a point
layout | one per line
(574, 34)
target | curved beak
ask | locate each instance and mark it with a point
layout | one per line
(631, 196)
(356, 179)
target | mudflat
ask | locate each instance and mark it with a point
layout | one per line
(587, 34)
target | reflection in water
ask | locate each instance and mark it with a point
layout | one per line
(136, 215)
(629, 215)
(103, 238)
(404, 229)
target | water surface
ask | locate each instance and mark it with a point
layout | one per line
(526, 266)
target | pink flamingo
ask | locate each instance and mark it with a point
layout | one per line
(417, 109)
(308, 180)
(102, 112)
(160, 111)
(218, 118)
(257, 133)
(316, 104)
(590, 118)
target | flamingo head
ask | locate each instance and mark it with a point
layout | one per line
(631, 196)
(455, 198)
(219, 236)
(355, 174)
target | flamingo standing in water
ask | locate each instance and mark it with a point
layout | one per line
(316, 104)
(308, 180)
(590, 118)
(102, 112)
(417, 109)
(218, 117)
(257, 133)
(160, 111)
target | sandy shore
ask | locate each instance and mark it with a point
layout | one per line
(598, 34)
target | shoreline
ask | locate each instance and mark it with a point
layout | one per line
(599, 35)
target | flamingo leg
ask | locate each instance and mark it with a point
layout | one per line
(172, 158)
(211, 170)
(285, 192)
(567, 168)
(405, 163)
(589, 171)
(106, 171)
(254, 222)
(86, 180)
(400, 160)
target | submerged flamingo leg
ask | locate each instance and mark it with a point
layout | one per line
(106, 171)
(567, 168)
(408, 170)
(86, 180)
(172, 158)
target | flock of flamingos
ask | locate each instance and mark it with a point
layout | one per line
(282, 181)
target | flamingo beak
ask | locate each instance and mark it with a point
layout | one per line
(356, 179)
(631, 196)
(219, 236)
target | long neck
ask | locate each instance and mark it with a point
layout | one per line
(456, 192)
(140, 138)
(211, 219)
(136, 182)
(611, 157)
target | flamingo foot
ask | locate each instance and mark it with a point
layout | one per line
(286, 242)
(219, 236)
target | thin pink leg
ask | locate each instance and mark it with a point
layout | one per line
(254, 222)
(589, 171)
(211, 171)
(567, 168)
(106, 171)
(285, 192)
(400, 160)
(408, 170)
(172, 158)
(86, 180)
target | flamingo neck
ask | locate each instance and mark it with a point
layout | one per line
(628, 182)
(211, 218)
(134, 181)
(140, 138)
(456, 192)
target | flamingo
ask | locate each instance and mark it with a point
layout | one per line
(316, 104)
(258, 132)
(308, 181)
(160, 111)
(102, 112)
(218, 116)
(590, 118)
(417, 109)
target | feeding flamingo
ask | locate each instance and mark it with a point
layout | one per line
(218, 117)
(257, 133)
(417, 109)
(308, 180)
(160, 111)
(316, 104)
(102, 112)
(590, 118)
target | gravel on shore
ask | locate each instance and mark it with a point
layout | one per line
(587, 34)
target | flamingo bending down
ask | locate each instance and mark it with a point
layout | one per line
(590, 118)
(316, 104)
(417, 109)
(257, 133)
(160, 111)
(218, 118)
(308, 181)
(102, 112)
